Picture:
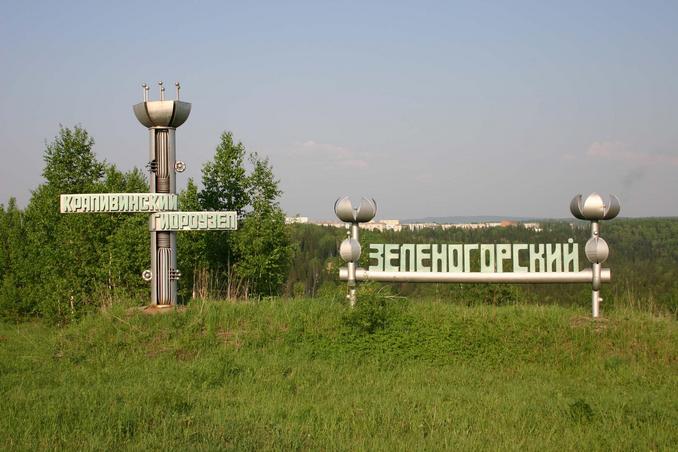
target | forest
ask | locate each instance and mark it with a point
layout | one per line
(59, 267)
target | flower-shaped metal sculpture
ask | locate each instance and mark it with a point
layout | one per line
(594, 208)
(345, 211)
(349, 249)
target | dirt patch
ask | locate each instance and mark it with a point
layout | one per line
(599, 324)
(231, 338)
(157, 344)
(184, 355)
(165, 309)
(155, 352)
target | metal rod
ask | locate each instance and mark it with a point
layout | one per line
(584, 276)
(352, 267)
(596, 281)
(595, 229)
(595, 303)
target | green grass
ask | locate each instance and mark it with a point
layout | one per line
(309, 374)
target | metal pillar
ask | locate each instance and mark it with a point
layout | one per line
(162, 118)
(350, 248)
(594, 209)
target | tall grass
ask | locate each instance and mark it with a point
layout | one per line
(312, 374)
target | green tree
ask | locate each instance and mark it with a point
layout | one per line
(224, 179)
(11, 260)
(124, 252)
(191, 249)
(262, 242)
(72, 263)
(254, 259)
(70, 163)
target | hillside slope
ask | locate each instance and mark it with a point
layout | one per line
(310, 374)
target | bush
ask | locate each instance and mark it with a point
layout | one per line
(374, 311)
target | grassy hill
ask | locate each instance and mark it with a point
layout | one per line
(311, 374)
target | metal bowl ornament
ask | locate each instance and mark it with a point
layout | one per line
(594, 208)
(345, 211)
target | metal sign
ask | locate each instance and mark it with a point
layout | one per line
(194, 221)
(488, 258)
(117, 202)
(527, 263)
(161, 117)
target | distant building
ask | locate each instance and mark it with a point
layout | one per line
(383, 225)
(396, 226)
(295, 220)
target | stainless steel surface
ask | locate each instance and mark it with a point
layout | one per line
(163, 239)
(351, 269)
(162, 160)
(162, 113)
(165, 295)
(154, 268)
(162, 117)
(345, 211)
(172, 157)
(596, 250)
(595, 303)
(584, 276)
(366, 211)
(349, 250)
(594, 208)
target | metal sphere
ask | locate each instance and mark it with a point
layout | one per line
(349, 250)
(596, 250)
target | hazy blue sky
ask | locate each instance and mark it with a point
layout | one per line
(432, 108)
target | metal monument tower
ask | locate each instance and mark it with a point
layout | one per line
(162, 117)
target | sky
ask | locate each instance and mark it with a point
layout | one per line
(431, 108)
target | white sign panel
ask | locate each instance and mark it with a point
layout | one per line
(194, 221)
(117, 202)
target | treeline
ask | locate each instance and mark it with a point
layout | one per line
(59, 266)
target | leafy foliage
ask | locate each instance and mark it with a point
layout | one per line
(254, 260)
(61, 266)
